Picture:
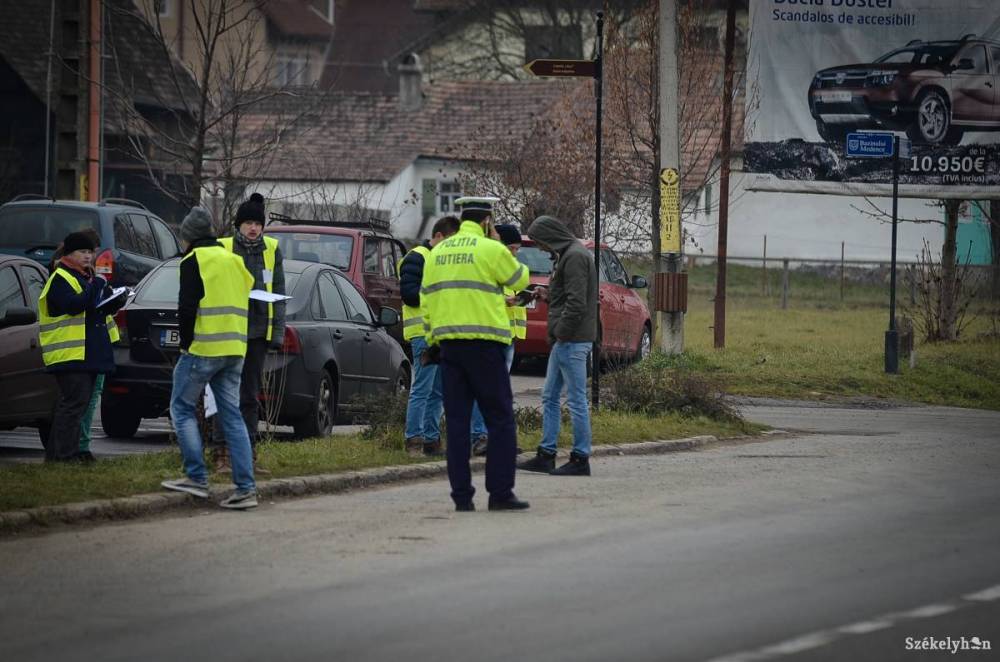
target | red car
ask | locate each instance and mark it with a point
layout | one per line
(366, 253)
(625, 329)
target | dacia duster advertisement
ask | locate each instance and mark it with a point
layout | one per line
(926, 70)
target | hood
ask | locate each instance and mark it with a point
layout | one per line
(551, 232)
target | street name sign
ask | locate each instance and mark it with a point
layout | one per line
(574, 68)
(870, 144)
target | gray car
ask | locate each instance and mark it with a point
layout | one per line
(335, 353)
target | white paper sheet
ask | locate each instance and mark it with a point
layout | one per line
(117, 292)
(210, 406)
(269, 297)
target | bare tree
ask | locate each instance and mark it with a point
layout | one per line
(197, 141)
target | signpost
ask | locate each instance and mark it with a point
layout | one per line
(586, 69)
(882, 145)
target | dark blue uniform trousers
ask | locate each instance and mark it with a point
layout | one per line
(476, 370)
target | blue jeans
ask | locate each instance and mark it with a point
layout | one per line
(223, 373)
(567, 368)
(423, 410)
(478, 424)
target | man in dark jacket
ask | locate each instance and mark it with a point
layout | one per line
(266, 322)
(423, 411)
(572, 330)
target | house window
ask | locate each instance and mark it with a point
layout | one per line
(291, 69)
(448, 193)
(561, 42)
(163, 8)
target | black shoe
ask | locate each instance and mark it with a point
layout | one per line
(465, 507)
(510, 503)
(578, 465)
(433, 449)
(85, 457)
(479, 447)
(543, 462)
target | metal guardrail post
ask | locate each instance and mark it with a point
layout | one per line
(784, 284)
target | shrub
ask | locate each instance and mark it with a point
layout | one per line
(655, 387)
(384, 418)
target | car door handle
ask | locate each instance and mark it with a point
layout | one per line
(338, 334)
(368, 336)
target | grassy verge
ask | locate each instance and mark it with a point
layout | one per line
(32, 485)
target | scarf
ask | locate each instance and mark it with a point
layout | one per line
(250, 246)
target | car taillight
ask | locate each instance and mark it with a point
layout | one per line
(104, 265)
(122, 327)
(291, 343)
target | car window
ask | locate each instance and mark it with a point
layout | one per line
(538, 261)
(616, 272)
(332, 249)
(34, 282)
(977, 54)
(331, 304)
(145, 244)
(357, 307)
(10, 291)
(27, 227)
(124, 241)
(388, 259)
(995, 50)
(162, 286)
(371, 263)
(165, 239)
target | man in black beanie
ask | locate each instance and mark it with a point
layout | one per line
(266, 324)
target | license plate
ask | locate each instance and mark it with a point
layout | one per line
(837, 97)
(170, 337)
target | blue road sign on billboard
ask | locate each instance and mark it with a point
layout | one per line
(869, 144)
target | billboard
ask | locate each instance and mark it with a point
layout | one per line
(820, 70)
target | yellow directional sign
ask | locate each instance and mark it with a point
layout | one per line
(670, 211)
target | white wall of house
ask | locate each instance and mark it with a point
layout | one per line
(810, 226)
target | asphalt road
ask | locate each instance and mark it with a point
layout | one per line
(878, 526)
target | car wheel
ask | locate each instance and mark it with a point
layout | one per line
(319, 421)
(44, 428)
(831, 134)
(118, 421)
(933, 122)
(645, 343)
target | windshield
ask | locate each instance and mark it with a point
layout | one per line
(922, 54)
(36, 231)
(538, 261)
(163, 285)
(332, 249)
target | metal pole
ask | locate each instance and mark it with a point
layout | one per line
(669, 325)
(767, 286)
(596, 379)
(784, 284)
(724, 154)
(892, 336)
(48, 96)
(841, 271)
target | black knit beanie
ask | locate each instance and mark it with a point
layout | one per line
(251, 210)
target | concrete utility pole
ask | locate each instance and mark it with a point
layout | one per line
(670, 284)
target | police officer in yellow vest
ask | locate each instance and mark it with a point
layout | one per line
(462, 298)
(423, 409)
(212, 319)
(76, 336)
(266, 321)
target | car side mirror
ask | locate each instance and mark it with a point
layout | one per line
(18, 316)
(965, 64)
(639, 282)
(388, 316)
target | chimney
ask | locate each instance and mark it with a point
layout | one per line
(411, 96)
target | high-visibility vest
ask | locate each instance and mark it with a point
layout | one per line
(220, 328)
(413, 317)
(518, 316)
(462, 294)
(270, 251)
(64, 337)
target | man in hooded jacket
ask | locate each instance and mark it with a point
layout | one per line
(572, 330)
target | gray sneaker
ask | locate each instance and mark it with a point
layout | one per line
(188, 486)
(240, 500)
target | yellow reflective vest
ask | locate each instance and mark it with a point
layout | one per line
(220, 327)
(518, 316)
(413, 317)
(64, 337)
(270, 251)
(462, 293)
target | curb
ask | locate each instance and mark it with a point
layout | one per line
(134, 507)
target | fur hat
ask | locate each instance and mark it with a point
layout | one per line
(76, 241)
(509, 234)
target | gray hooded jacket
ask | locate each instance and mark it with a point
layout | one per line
(573, 286)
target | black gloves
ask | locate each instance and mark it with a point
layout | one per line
(431, 355)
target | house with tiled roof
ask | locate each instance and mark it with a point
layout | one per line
(396, 156)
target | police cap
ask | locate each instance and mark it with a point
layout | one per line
(476, 203)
